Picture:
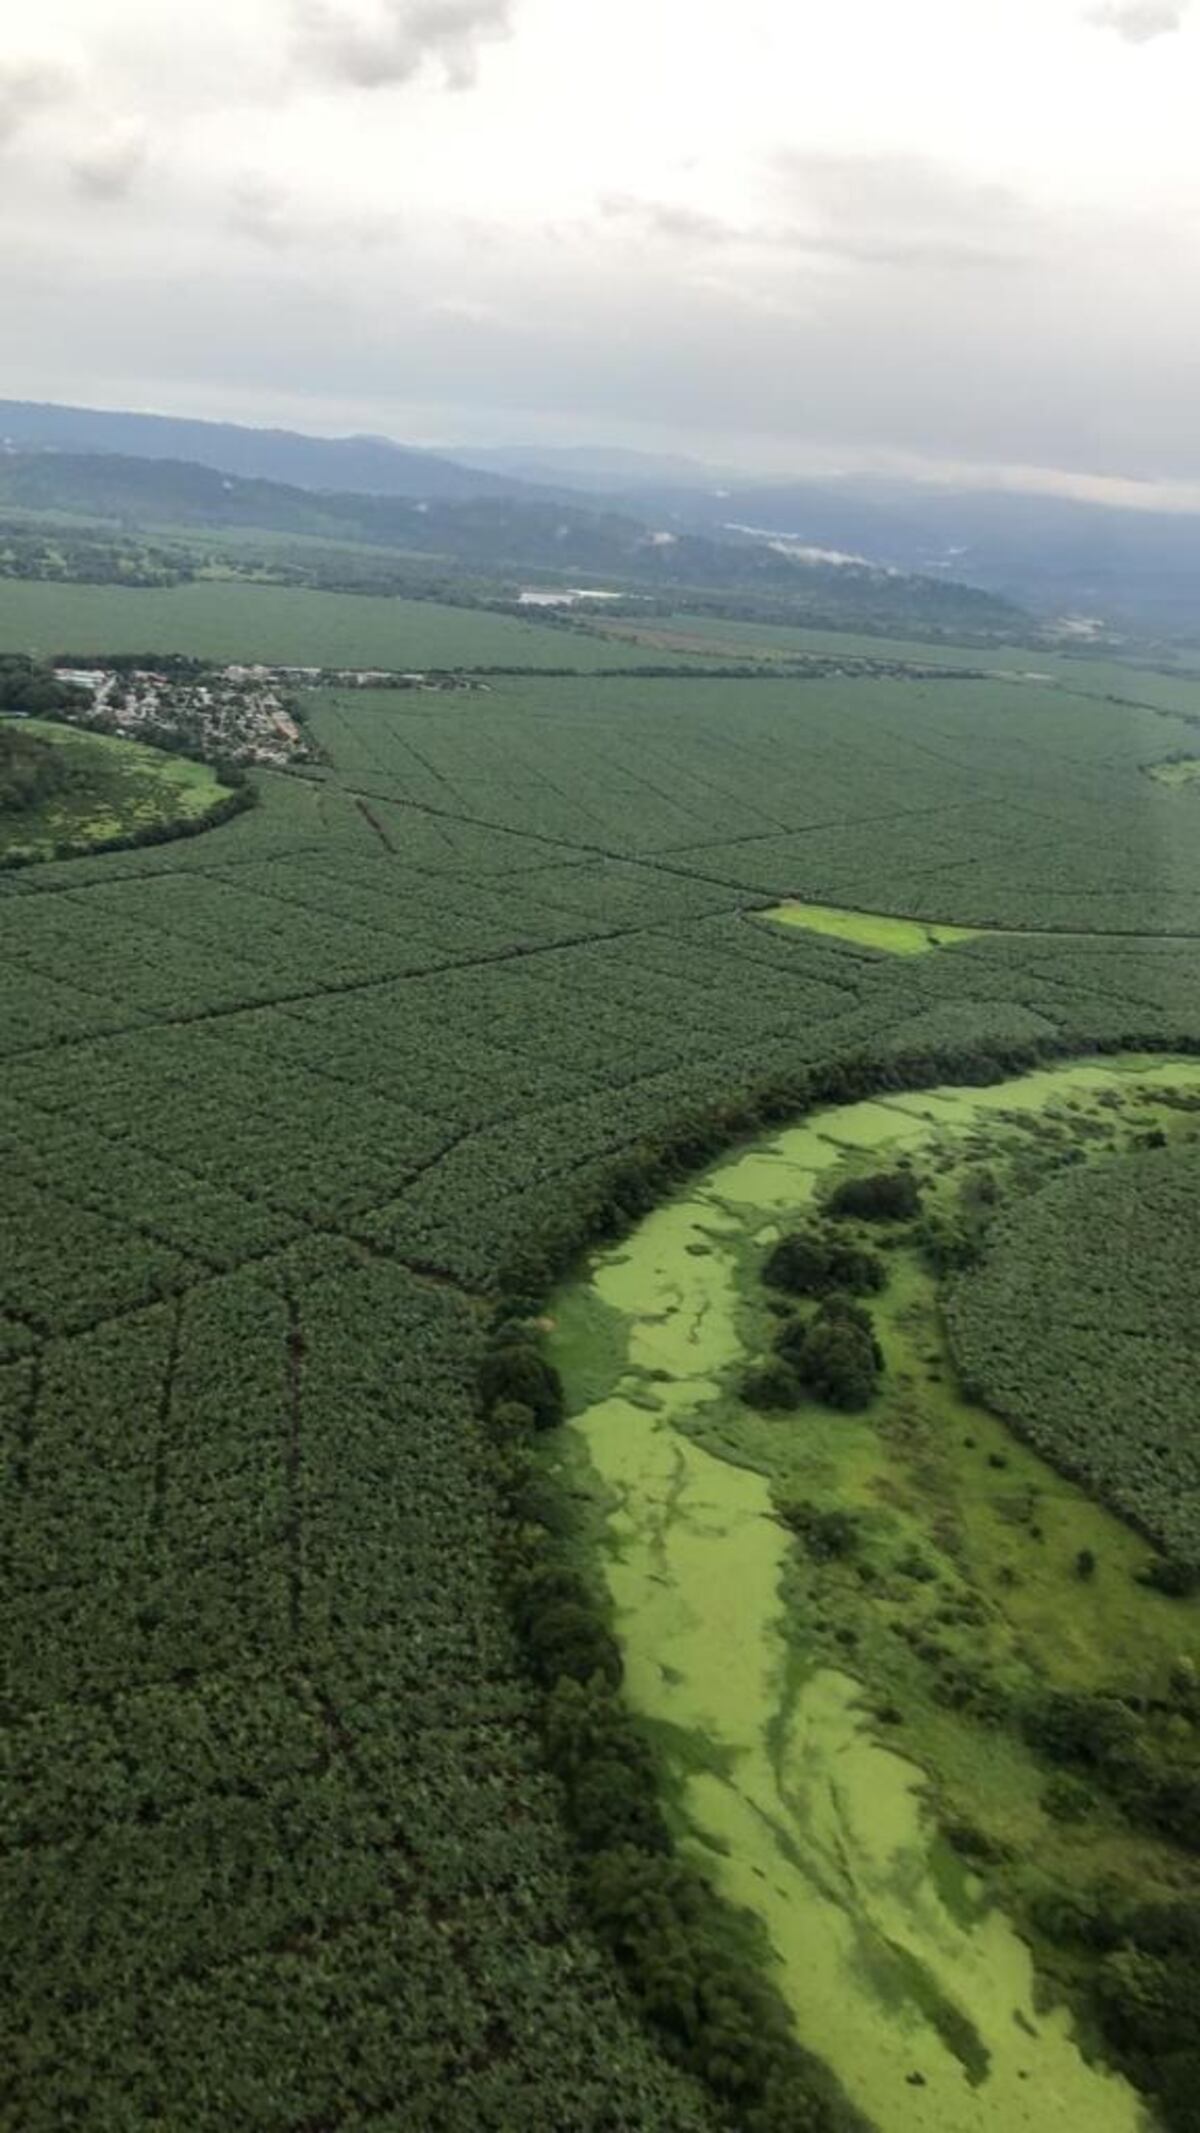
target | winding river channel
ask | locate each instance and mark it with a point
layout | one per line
(901, 1966)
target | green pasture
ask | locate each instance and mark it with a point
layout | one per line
(114, 787)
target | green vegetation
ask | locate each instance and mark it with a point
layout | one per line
(514, 1374)
(834, 1354)
(871, 929)
(222, 619)
(288, 1109)
(28, 688)
(31, 771)
(817, 1262)
(1179, 771)
(726, 624)
(694, 1974)
(94, 556)
(1080, 1326)
(884, 1196)
(939, 1564)
(488, 532)
(74, 793)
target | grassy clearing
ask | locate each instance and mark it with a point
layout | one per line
(115, 789)
(1177, 774)
(870, 929)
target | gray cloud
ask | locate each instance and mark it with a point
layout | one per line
(288, 255)
(262, 212)
(1139, 21)
(371, 44)
(530, 337)
(29, 86)
(108, 167)
(873, 211)
(664, 218)
(280, 220)
(893, 210)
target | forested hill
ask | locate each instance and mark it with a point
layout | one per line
(504, 535)
(371, 465)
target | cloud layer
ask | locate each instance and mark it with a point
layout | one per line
(1140, 21)
(668, 225)
(30, 84)
(107, 166)
(374, 44)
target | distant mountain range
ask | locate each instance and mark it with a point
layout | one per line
(371, 466)
(1135, 570)
(609, 470)
(500, 537)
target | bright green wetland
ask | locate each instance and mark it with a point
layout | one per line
(825, 1724)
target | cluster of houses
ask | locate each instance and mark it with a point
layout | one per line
(238, 714)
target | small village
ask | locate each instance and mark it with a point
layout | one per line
(232, 714)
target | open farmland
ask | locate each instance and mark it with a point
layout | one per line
(1080, 1326)
(231, 619)
(283, 1107)
(783, 640)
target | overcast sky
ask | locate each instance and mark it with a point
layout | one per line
(941, 235)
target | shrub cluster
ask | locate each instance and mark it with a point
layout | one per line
(1147, 1989)
(814, 1263)
(828, 1534)
(1103, 1737)
(28, 686)
(885, 1196)
(515, 1372)
(834, 1354)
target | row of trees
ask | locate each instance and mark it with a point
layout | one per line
(685, 1957)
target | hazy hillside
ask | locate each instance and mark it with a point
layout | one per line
(503, 536)
(1055, 552)
(1139, 569)
(603, 469)
(370, 464)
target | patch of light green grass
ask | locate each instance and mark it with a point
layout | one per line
(871, 929)
(116, 786)
(1177, 774)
